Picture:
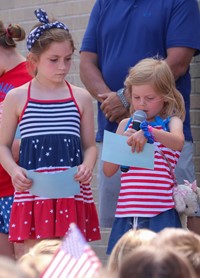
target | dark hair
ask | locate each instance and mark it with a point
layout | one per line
(11, 34)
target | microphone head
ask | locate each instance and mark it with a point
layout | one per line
(139, 116)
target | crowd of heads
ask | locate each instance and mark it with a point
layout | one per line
(172, 252)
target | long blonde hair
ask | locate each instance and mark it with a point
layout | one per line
(157, 73)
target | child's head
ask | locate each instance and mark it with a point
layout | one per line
(44, 34)
(127, 243)
(184, 241)
(9, 268)
(156, 74)
(11, 34)
(154, 262)
(39, 257)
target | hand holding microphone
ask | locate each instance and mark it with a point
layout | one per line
(138, 117)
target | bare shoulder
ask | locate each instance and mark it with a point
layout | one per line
(122, 125)
(18, 92)
(175, 122)
(17, 97)
(81, 95)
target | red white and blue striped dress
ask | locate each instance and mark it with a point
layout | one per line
(50, 142)
(146, 192)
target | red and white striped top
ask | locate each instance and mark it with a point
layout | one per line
(145, 192)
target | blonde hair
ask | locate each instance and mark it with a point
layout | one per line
(127, 243)
(39, 257)
(155, 262)
(11, 34)
(9, 268)
(184, 241)
(157, 73)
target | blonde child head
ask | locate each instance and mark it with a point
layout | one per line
(157, 73)
(34, 262)
(127, 243)
(184, 241)
(155, 262)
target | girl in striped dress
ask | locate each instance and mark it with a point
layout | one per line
(146, 196)
(56, 122)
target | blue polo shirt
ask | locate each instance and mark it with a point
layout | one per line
(122, 32)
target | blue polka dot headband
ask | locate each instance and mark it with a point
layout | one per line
(38, 31)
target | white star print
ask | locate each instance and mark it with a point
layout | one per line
(47, 153)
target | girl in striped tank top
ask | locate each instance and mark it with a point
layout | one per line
(146, 196)
(56, 122)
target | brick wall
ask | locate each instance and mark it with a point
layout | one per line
(75, 14)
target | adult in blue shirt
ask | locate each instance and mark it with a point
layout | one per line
(118, 35)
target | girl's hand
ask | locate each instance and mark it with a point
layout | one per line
(137, 141)
(84, 175)
(129, 132)
(19, 179)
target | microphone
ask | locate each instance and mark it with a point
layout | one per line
(138, 117)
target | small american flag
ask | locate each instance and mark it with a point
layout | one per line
(75, 258)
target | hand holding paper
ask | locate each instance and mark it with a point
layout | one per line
(54, 185)
(116, 150)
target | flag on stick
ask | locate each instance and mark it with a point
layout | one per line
(74, 259)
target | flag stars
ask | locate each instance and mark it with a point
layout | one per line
(29, 162)
(47, 154)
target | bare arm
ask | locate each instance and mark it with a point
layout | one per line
(179, 58)
(94, 83)
(91, 75)
(7, 133)
(173, 139)
(85, 170)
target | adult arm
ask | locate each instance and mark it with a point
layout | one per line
(93, 80)
(178, 59)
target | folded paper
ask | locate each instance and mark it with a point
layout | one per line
(116, 150)
(54, 185)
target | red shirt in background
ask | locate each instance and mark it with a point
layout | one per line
(10, 80)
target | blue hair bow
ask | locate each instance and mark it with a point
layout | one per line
(38, 31)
